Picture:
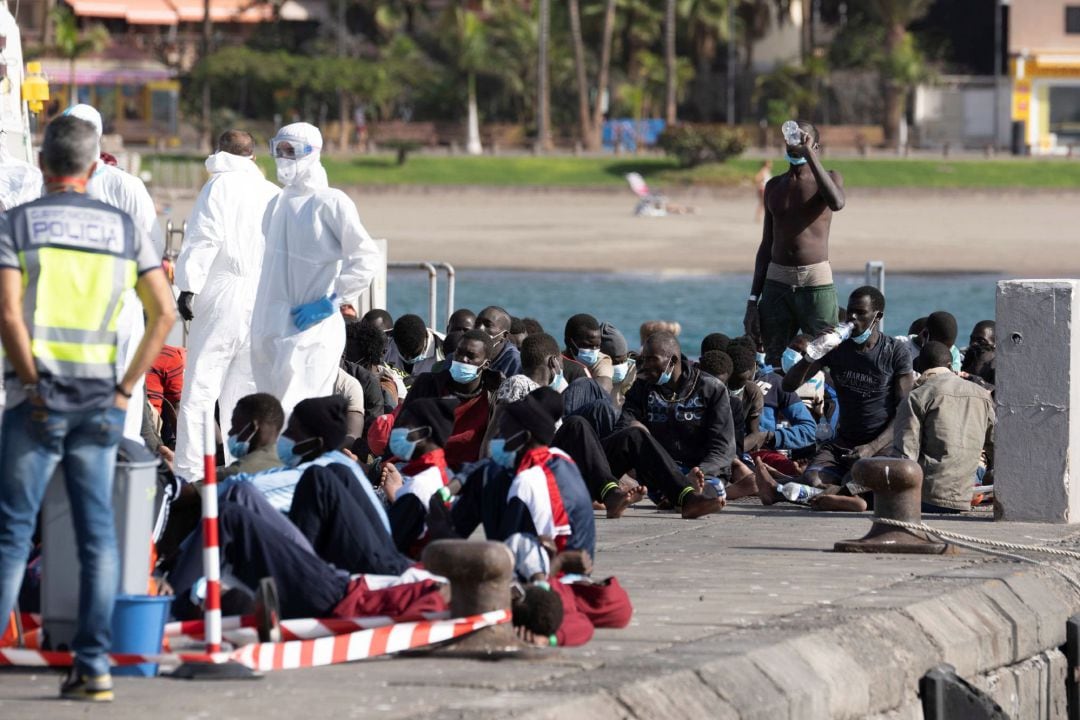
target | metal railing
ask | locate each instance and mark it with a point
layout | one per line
(432, 269)
(875, 275)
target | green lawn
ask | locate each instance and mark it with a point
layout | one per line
(598, 172)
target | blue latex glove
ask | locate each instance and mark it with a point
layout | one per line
(313, 313)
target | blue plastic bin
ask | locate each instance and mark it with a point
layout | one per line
(138, 623)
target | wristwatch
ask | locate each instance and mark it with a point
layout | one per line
(752, 298)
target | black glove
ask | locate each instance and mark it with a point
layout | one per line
(184, 303)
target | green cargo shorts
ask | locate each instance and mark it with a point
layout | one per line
(785, 311)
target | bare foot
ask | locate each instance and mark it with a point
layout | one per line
(696, 478)
(697, 505)
(766, 486)
(636, 494)
(597, 505)
(616, 502)
(392, 481)
(745, 487)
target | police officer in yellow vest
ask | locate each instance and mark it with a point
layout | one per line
(65, 260)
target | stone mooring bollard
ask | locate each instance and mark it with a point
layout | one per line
(897, 486)
(480, 574)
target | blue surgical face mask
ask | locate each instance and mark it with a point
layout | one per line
(503, 458)
(464, 372)
(795, 160)
(558, 383)
(789, 359)
(414, 360)
(862, 337)
(620, 371)
(286, 451)
(401, 445)
(759, 358)
(588, 356)
(238, 448)
(665, 377)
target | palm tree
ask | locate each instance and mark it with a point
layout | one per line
(472, 51)
(901, 65)
(591, 124)
(707, 24)
(543, 85)
(72, 43)
(670, 89)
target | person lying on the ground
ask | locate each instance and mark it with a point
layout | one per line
(943, 425)
(688, 414)
(583, 337)
(979, 357)
(872, 375)
(623, 368)
(417, 440)
(471, 381)
(740, 384)
(504, 357)
(414, 348)
(718, 364)
(315, 435)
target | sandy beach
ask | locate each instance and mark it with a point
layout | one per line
(1013, 233)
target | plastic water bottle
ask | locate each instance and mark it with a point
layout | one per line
(798, 493)
(822, 344)
(791, 132)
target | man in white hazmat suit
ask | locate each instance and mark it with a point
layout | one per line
(317, 255)
(126, 192)
(217, 274)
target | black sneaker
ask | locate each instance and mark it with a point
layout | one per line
(87, 689)
(267, 612)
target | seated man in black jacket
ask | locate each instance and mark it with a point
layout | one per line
(685, 410)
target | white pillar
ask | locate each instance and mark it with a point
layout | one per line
(1037, 448)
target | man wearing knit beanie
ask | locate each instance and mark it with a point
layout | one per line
(623, 372)
(418, 439)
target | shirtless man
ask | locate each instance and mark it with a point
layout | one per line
(793, 287)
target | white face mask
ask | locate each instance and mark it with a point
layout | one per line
(286, 170)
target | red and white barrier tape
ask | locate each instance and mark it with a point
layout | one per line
(240, 629)
(295, 654)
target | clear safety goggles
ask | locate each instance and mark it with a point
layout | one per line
(288, 148)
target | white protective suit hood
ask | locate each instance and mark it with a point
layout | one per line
(303, 175)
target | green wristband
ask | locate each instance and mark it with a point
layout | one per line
(553, 641)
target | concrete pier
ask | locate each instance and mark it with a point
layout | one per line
(744, 614)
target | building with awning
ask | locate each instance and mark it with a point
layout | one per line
(135, 81)
(1044, 45)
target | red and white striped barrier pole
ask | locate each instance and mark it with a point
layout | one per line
(211, 555)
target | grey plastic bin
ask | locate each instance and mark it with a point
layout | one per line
(135, 490)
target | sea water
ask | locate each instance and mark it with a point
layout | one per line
(702, 304)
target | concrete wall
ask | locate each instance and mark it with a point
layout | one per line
(959, 110)
(1039, 26)
(1038, 400)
